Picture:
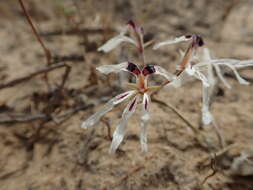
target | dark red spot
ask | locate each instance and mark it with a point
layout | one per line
(131, 23)
(142, 30)
(133, 68)
(188, 36)
(198, 40)
(124, 95)
(146, 104)
(132, 105)
(149, 69)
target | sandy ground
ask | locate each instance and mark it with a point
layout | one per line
(50, 155)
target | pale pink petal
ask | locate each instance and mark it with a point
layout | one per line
(174, 41)
(144, 122)
(107, 69)
(125, 66)
(244, 63)
(221, 77)
(106, 108)
(238, 77)
(161, 71)
(119, 133)
(207, 117)
(114, 42)
(180, 80)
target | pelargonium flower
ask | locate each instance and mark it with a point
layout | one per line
(139, 94)
(202, 66)
(187, 67)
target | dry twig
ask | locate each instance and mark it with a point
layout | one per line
(213, 167)
(74, 31)
(23, 118)
(30, 76)
(47, 52)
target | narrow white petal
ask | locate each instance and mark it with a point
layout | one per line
(168, 42)
(202, 77)
(245, 63)
(119, 133)
(106, 108)
(238, 77)
(190, 70)
(194, 71)
(144, 122)
(180, 80)
(218, 62)
(161, 71)
(114, 42)
(207, 117)
(220, 75)
(206, 54)
(106, 69)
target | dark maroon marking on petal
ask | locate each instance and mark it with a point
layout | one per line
(132, 105)
(188, 36)
(200, 41)
(133, 68)
(149, 69)
(131, 23)
(141, 30)
(124, 95)
(146, 104)
(197, 40)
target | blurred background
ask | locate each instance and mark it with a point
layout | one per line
(44, 99)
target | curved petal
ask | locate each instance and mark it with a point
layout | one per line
(119, 133)
(220, 75)
(194, 71)
(144, 122)
(106, 108)
(107, 69)
(207, 117)
(176, 40)
(201, 77)
(238, 77)
(125, 66)
(114, 42)
(244, 63)
(180, 80)
(161, 71)
(210, 72)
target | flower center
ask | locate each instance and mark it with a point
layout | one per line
(142, 84)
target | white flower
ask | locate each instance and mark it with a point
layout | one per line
(122, 37)
(187, 67)
(140, 91)
(202, 67)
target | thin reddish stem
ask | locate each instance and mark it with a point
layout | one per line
(47, 52)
